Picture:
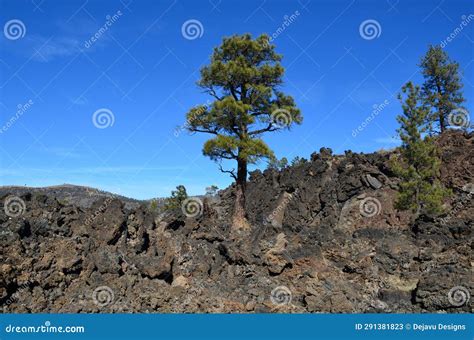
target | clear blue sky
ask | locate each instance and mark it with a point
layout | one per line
(144, 71)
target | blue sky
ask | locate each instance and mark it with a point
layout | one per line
(142, 69)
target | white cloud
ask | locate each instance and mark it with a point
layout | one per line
(87, 170)
(388, 140)
(46, 50)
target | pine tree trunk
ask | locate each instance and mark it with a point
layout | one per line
(442, 123)
(239, 219)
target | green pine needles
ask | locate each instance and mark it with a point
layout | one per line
(418, 163)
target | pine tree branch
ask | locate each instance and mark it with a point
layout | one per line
(269, 128)
(214, 131)
(231, 172)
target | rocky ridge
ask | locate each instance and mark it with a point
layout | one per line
(325, 237)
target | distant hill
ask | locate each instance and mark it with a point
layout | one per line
(81, 196)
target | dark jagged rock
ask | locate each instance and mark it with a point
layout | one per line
(325, 237)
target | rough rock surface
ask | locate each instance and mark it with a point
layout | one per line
(325, 237)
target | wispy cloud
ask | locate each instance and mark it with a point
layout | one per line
(62, 152)
(88, 170)
(388, 140)
(128, 169)
(49, 49)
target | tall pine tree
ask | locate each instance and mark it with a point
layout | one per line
(418, 163)
(243, 80)
(441, 89)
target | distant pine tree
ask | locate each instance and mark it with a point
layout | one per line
(178, 196)
(211, 190)
(297, 161)
(441, 89)
(418, 163)
(277, 164)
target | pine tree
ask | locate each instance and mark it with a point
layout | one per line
(277, 164)
(297, 161)
(211, 190)
(178, 196)
(243, 79)
(418, 163)
(441, 89)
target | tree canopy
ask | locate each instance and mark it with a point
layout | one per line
(442, 88)
(243, 78)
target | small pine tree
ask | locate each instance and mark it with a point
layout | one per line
(441, 90)
(211, 190)
(298, 161)
(153, 205)
(418, 163)
(277, 164)
(177, 198)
